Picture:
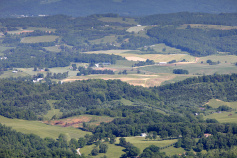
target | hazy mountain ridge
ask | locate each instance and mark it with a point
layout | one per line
(125, 7)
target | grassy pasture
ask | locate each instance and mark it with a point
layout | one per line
(223, 117)
(166, 49)
(41, 129)
(207, 69)
(2, 48)
(134, 79)
(129, 21)
(38, 39)
(53, 111)
(41, 29)
(114, 151)
(203, 26)
(8, 74)
(155, 57)
(136, 29)
(173, 151)
(228, 59)
(215, 103)
(142, 143)
(53, 49)
(194, 68)
(106, 39)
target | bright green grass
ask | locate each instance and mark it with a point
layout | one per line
(8, 74)
(53, 111)
(114, 151)
(123, 63)
(222, 58)
(166, 49)
(216, 103)
(223, 117)
(173, 151)
(176, 79)
(38, 39)
(41, 129)
(207, 69)
(194, 68)
(126, 102)
(142, 143)
(157, 69)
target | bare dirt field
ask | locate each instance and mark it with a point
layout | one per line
(77, 121)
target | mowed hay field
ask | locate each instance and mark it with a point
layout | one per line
(38, 39)
(223, 117)
(135, 55)
(142, 143)
(114, 151)
(42, 129)
(133, 79)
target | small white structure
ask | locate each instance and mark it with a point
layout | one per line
(37, 80)
(162, 63)
(143, 134)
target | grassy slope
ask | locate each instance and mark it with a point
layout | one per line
(41, 129)
(223, 117)
(38, 39)
(115, 151)
(142, 143)
(53, 111)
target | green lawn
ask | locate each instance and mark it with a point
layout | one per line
(114, 151)
(142, 143)
(38, 39)
(53, 111)
(8, 74)
(194, 68)
(41, 129)
(223, 117)
(216, 103)
(222, 58)
(173, 151)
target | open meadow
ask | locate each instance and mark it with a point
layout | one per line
(41, 129)
(38, 39)
(115, 150)
(121, 20)
(223, 116)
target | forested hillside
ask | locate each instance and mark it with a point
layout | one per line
(196, 41)
(22, 99)
(122, 7)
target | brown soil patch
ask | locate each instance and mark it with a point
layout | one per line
(73, 122)
(77, 122)
(135, 59)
